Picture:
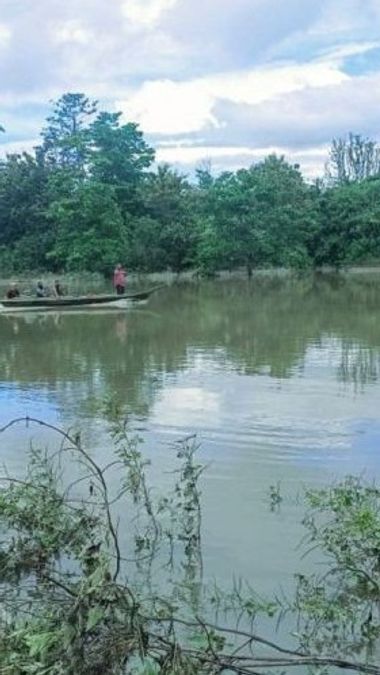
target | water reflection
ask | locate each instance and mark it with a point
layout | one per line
(266, 327)
(279, 377)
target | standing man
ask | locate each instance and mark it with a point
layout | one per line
(119, 279)
(58, 290)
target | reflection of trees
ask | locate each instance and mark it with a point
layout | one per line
(263, 326)
(360, 364)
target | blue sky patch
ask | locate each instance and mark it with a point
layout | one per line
(363, 64)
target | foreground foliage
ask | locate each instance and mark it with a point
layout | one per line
(84, 594)
(89, 197)
(340, 608)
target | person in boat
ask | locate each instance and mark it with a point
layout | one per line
(12, 292)
(119, 279)
(41, 290)
(58, 290)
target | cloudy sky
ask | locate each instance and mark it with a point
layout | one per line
(222, 80)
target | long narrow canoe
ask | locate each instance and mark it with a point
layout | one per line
(70, 302)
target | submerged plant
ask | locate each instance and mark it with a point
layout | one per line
(339, 609)
(275, 496)
(80, 597)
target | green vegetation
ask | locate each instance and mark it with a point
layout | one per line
(84, 593)
(89, 196)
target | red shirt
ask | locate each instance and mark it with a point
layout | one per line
(119, 277)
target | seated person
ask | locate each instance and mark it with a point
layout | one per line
(13, 292)
(41, 290)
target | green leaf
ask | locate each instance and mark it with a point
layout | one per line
(95, 616)
(40, 643)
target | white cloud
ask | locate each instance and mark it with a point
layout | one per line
(308, 117)
(235, 78)
(344, 17)
(146, 13)
(18, 147)
(71, 32)
(339, 23)
(341, 52)
(259, 85)
(312, 160)
(168, 107)
(5, 35)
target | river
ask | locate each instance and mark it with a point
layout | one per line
(278, 377)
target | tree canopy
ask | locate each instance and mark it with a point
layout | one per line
(91, 195)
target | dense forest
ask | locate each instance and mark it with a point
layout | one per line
(90, 196)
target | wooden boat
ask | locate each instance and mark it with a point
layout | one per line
(71, 302)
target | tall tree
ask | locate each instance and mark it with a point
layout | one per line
(263, 215)
(204, 175)
(65, 139)
(169, 227)
(352, 159)
(24, 197)
(119, 156)
(89, 229)
(350, 224)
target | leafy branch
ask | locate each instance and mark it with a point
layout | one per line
(72, 603)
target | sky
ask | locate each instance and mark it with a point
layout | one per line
(226, 81)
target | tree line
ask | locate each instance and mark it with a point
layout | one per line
(89, 195)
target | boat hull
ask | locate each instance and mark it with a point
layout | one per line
(82, 302)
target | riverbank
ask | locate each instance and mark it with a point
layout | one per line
(90, 282)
